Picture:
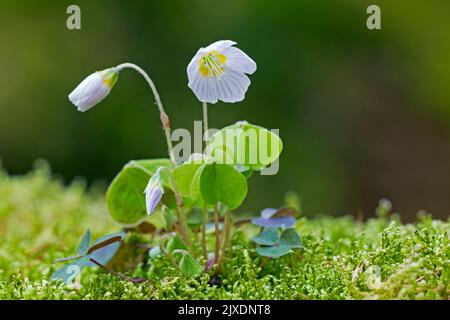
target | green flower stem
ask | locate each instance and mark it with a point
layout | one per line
(162, 114)
(205, 121)
(204, 219)
(217, 233)
(183, 228)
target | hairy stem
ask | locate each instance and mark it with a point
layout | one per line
(204, 218)
(183, 227)
(217, 233)
(162, 114)
(117, 274)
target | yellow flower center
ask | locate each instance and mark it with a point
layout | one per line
(212, 64)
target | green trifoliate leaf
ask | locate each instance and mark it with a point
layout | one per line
(184, 175)
(102, 251)
(246, 145)
(84, 245)
(71, 270)
(125, 198)
(222, 183)
(290, 237)
(274, 251)
(269, 237)
(105, 248)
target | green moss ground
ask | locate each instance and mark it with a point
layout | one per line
(42, 220)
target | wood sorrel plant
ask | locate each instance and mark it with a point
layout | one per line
(163, 191)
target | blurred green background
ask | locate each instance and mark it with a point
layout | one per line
(364, 114)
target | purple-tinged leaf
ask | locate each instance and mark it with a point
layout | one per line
(291, 238)
(67, 259)
(106, 248)
(268, 237)
(268, 212)
(285, 212)
(84, 245)
(274, 252)
(286, 222)
(70, 270)
(98, 245)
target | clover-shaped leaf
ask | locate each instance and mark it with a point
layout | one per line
(274, 251)
(104, 248)
(245, 144)
(101, 251)
(290, 238)
(84, 245)
(222, 183)
(70, 270)
(184, 176)
(125, 198)
(268, 237)
(273, 245)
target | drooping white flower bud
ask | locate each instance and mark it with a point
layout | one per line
(93, 89)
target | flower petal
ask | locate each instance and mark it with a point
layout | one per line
(219, 46)
(153, 192)
(239, 61)
(152, 199)
(93, 98)
(192, 67)
(93, 89)
(204, 88)
(234, 85)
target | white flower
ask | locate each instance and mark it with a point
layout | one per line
(93, 89)
(218, 72)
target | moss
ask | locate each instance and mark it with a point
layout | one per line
(42, 220)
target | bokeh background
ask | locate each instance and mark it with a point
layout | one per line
(364, 114)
